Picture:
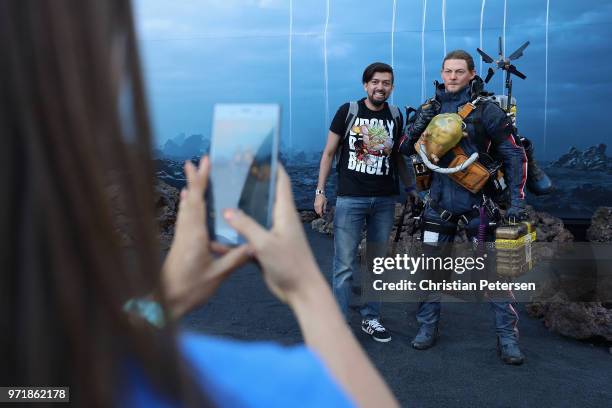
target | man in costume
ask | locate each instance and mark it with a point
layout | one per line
(488, 130)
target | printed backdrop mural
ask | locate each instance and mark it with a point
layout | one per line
(309, 56)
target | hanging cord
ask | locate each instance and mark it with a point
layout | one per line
(482, 229)
(443, 170)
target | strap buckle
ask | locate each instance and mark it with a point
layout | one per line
(492, 209)
(466, 109)
(446, 215)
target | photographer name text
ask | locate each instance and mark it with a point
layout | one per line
(458, 285)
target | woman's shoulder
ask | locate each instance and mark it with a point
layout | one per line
(261, 373)
(208, 349)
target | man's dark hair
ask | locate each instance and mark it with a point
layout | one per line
(462, 55)
(375, 67)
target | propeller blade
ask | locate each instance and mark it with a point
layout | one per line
(490, 73)
(512, 69)
(501, 51)
(485, 57)
(519, 52)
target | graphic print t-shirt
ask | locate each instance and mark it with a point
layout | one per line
(366, 175)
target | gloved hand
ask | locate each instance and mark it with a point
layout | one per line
(423, 116)
(412, 196)
(516, 213)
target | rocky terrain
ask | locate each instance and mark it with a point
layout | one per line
(576, 195)
(591, 317)
(166, 206)
(601, 226)
(555, 304)
(590, 282)
(548, 227)
(593, 158)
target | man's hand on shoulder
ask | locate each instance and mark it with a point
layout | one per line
(424, 115)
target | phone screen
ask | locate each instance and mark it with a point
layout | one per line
(243, 155)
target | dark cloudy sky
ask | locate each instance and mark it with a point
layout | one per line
(197, 53)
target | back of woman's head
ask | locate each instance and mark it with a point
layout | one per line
(76, 151)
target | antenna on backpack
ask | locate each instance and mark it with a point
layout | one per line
(505, 65)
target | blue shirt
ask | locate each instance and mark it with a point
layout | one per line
(247, 374)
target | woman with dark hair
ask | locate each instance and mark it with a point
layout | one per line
(76, 160)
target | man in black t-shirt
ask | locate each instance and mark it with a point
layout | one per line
(363, 136)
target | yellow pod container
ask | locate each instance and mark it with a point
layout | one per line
(443, 133)
(513, 244)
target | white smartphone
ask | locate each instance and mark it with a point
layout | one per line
(243, 156)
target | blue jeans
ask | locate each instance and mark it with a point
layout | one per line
(351, 213)
(502, 302)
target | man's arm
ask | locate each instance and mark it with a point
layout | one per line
(500, 130)
(333, 142)
(515, 169)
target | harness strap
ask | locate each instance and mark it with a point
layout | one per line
(448, 216)
(439, 228)
(466, 109)
(470, 109)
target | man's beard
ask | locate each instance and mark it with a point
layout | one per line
(458, 91)
(376, 102)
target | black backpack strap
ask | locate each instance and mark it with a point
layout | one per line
(351, 115)
(480, 135)
(473, 115)
(395, 112)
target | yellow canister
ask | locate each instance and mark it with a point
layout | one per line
(513, 244)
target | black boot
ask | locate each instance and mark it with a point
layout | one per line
(426, 337)
(510, 353)
(538, 182)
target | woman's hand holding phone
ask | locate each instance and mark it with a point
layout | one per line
(286, 259)
(191, 273)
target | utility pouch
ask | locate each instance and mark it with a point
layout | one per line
(496, 186)
(472, 178)
(421, 173)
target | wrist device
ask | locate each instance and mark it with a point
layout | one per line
(149, 310)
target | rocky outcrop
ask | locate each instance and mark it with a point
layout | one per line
(166, 207)
(601, 226)
(325, 224)
(548, 228)
(593, 158)
(580, 320)
(171, 172)
(308, 216)
(182, 147)
(577, 304)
